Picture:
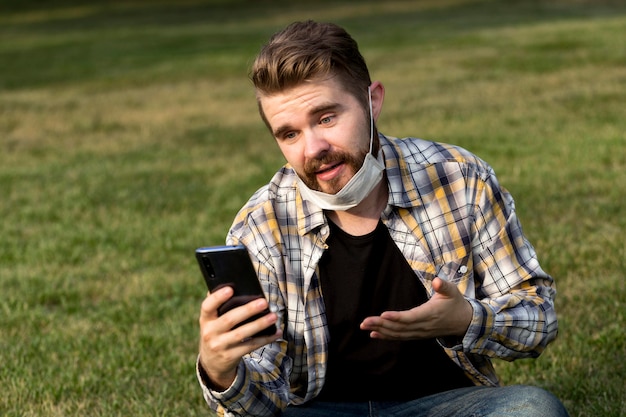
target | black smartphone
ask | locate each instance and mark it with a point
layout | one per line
(231, 266)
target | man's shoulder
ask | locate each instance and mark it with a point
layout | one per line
(279, 190)
(421, 151)
(276, 206)
(418, 165)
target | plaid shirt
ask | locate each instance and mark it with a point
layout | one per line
(448, 216)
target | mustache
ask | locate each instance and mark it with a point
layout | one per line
(328, 159)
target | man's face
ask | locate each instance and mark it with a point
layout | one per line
(322, 131)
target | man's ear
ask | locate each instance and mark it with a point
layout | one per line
(378, 96)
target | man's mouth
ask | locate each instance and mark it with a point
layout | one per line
(328, 172)
(327, 168)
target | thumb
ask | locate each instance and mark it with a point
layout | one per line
(444, 287)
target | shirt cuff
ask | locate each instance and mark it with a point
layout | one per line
(230, 394)
(481, 327)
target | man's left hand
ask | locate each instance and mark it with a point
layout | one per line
(447, 313)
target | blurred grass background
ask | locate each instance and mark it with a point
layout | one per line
(129, 136)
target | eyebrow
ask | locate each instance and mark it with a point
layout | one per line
(322, 108)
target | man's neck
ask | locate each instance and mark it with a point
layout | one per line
(362, 219)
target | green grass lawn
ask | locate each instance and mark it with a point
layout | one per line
(129, 136)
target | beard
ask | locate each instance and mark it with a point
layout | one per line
(353, 161)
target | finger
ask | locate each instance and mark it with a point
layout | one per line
(234, 319)
(244, 312)
(376, 335)
(394, 316)
(213, 301)
(444, 287)
(390, 319)
(244, 338)
(382, 325)
(247, 345)
(387, 334)
(371, 323)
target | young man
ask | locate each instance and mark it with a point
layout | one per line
(394, 268)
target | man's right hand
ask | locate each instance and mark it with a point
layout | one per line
(221, 344)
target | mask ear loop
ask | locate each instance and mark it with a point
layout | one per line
(369, 94)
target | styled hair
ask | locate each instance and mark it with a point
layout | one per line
(306, 51)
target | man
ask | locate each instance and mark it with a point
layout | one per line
(394, 268)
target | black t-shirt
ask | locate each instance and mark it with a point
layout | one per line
(364, 276)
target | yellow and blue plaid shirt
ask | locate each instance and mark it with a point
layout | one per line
(450, 218)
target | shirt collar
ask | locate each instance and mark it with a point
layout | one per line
(399, 182)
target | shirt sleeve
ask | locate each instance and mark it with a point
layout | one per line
(261, 386)
(514, 314)
(258, 388)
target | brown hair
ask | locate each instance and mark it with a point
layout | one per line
(305, 51)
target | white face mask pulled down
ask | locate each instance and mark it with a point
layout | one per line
(360, 185)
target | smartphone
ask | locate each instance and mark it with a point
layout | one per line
(231, 266)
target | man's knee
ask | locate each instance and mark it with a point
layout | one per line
(533, 401)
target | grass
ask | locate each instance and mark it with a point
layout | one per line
(129, 136)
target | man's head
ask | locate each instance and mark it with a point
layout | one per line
(313, 92)
(308, 51)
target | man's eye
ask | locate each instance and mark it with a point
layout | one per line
(289, 135)
(326, 120)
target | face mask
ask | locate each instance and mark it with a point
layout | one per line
(359, 186)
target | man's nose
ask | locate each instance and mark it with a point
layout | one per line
(315, 143)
